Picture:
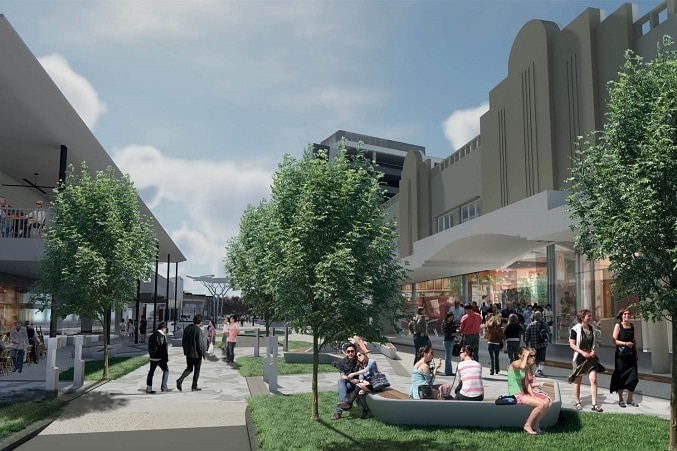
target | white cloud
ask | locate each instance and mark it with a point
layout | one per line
(463, 125)
(199, 202)
(77, 89)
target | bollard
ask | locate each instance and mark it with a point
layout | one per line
(78, 364)
(51, 370)
(285, 347)
(270, 364)
(257, 353)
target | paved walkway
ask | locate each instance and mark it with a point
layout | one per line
(114, 414)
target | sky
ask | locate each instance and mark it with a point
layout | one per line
(199, 100)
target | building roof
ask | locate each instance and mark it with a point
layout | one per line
(36, 120)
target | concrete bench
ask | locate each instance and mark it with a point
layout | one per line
(392, 406)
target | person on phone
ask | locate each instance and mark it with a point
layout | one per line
(424, 373)
(523, 392)
(469, 375)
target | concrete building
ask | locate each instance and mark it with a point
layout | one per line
(489, 222)
(386, 154)
(40, 134)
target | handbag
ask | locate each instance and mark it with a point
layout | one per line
(425, 391)
(378, 382)
(456, 350)
(506, 400)
(625, 351)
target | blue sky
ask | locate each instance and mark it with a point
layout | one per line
(199, 100)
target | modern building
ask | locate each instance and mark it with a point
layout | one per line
(386, 154)
(40, 134)
(489, 223)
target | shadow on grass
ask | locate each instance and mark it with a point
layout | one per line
(94, 402)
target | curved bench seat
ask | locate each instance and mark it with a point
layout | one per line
(394, 407)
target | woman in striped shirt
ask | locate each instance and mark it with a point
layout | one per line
(469, 375)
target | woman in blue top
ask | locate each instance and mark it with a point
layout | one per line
(366, 368)
(424, 373)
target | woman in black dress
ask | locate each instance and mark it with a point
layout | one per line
(625, 374)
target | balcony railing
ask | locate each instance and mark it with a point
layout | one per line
(22, 222)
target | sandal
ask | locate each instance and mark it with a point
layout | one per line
(622, 404)
(596, 408)
(578, 405)
(633, 404)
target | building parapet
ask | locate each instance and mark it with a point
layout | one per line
(653, 18)
(462, 152)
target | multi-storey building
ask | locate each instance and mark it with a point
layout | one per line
(489, 223)
(40, 133)
(386, 154)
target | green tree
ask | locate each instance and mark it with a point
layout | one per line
(97, 245)
(247, 261)
(333, 268)
(624, 190)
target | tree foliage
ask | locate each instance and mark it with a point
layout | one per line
(97, 245)
(247, 261)
(624, 189)
(321, 253)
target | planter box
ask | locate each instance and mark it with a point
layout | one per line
(389, 350)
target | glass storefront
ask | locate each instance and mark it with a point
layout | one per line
(553, 274)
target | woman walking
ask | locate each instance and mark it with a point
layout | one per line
(582, 342)
(625, 372)
(495, 337)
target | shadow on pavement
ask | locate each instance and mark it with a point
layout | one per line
(94, 401)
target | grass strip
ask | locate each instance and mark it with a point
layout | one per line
(291, 414)
(17, 416)
(117, 367)
(253, 366)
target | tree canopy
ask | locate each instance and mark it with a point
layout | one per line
(97, 245)
(624, 189)
(321, 252)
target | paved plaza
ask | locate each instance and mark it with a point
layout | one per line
(111, 415)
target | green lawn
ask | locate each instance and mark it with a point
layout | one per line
(253, 366)
(117, 367)
(273, 414)
(17, 416)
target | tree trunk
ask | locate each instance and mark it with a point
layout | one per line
(315, 415)
(673, 387)
(106, 341)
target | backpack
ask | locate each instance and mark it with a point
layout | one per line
(154, 345)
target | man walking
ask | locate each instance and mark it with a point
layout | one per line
(470, 329)
(193, 343)
(157, 349)
(19, 339)
(537, 336)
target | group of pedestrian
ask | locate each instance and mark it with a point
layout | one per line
(196, 346)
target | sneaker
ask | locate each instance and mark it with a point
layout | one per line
(345, 405)
(150, 392)
(178, 384)
(336, 416)
(166, 389)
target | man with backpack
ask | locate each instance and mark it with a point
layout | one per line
(157, 349)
